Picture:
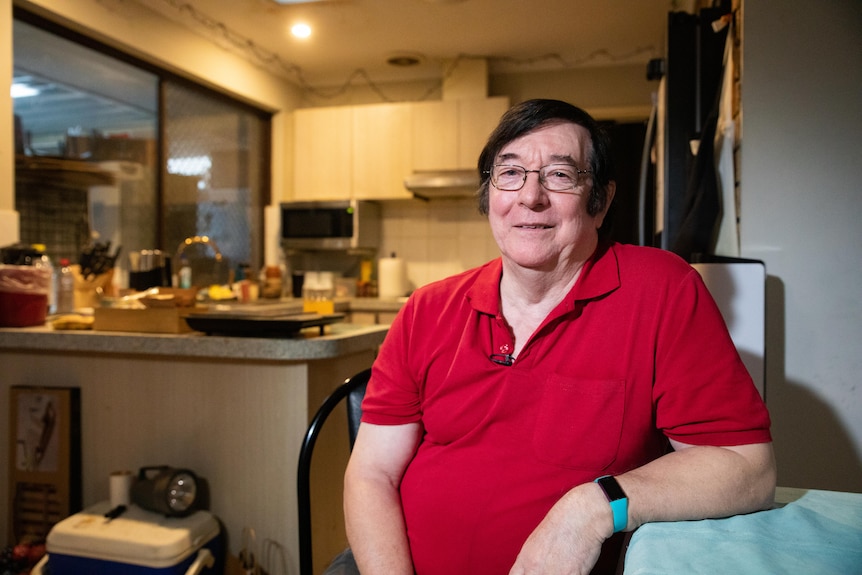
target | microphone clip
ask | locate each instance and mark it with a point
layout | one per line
(502, 359)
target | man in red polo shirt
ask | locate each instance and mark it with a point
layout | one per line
(522, 412)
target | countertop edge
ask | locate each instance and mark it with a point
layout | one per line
(338, 340)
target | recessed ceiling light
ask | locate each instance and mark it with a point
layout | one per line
(300, 30)
(404, 59)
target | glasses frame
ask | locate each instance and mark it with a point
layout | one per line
(577, 181)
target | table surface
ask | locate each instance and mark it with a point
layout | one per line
(807, 532)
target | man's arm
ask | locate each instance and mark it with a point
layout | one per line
(692, 482)
(372, 503)
(699, 482)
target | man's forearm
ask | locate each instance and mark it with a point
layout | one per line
(375, 528)
(699, 482)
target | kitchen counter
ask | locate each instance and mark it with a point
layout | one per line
(338, 340)
(233, 409)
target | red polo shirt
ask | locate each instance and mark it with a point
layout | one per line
(637, 352)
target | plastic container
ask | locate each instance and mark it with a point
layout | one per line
(318, 286)
(138, 542)
(317, 292)
(24, 295)
(65, 288)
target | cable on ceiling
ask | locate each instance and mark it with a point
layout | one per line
(293, 72)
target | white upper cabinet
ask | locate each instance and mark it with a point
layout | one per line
(450, 134)
(476, 120)
(435, 135)
(323, 153)
(381, 151)
(366, 152)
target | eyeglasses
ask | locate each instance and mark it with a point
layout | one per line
(554, 177)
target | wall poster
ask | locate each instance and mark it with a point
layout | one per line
(45, 459)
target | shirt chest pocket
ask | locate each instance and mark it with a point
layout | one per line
(579, 422)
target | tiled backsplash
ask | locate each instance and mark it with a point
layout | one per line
(436, 238)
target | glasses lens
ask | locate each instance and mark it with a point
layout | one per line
(509, 178)
(559, 177)
(554, 177)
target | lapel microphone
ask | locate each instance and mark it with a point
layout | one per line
(502, 359)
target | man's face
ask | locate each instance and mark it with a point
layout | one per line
(540, 229)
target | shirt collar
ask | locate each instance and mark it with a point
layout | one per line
(599, 276)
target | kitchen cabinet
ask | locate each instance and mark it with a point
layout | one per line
(371, 317)
(381, 151)
(351, 152)
(366, 152)
(476, 120)
(434, 134)
(323, 153)
(374, 311)
(450, 134)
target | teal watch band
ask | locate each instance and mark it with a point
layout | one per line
(618, 500)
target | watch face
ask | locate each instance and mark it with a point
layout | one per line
(612, 488)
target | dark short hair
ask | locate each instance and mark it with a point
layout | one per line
(533, 114)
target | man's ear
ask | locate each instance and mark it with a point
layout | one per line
(600, 217)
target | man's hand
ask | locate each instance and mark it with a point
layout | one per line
(569, 539)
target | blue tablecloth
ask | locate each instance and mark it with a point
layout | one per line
(817, 533)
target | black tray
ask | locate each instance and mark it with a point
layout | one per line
(263, 325)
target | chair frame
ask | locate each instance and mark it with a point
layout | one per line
(353, 389)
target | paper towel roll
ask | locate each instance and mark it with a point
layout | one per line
(391, 277)
(121, 487)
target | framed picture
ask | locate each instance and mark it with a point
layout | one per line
(45, 459)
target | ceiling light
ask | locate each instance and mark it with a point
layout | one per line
(300, 30)
(404, 59)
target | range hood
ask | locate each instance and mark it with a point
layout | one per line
(443, 184)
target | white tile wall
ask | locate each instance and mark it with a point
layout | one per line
(437, 238)
(9, 227)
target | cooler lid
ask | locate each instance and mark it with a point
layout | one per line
(138, 537)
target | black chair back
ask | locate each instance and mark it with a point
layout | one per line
(353, 389)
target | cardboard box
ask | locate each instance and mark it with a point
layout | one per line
(150, 320)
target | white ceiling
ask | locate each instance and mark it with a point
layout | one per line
(351, 35)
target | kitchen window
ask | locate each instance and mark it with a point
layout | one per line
(110, 146)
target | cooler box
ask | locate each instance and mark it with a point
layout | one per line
(138, 542)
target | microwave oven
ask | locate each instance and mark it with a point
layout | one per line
(330, 225)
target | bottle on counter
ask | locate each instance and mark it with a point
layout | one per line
(65, 288)
(42, 261)
(185, 274)
(271, 287)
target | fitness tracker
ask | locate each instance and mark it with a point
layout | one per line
(618, 500)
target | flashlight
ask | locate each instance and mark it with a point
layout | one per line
(166, 490)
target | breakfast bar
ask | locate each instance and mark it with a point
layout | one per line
(233, 409)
